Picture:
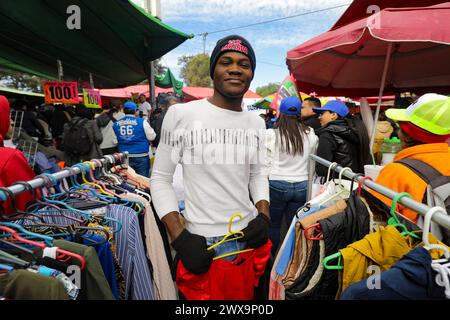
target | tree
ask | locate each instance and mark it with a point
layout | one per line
(20, 81)
(195, 70)
(268, 89)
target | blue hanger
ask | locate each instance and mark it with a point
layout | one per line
(84, 214)
(48, 240)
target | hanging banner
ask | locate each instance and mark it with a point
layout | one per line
(60, 92)
(92, 98)
(288, 88)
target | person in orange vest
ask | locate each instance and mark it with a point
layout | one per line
(424, 130)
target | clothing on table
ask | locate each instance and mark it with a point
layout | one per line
(225, 280)
(26, 285)
(199, 132)
(382, 248)
(411, 278)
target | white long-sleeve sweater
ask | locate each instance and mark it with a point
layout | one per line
(223, 157)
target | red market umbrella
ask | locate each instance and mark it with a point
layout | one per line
(394, 50)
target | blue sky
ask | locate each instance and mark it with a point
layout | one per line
(270, 41)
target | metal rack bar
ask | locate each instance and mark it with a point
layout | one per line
(420, 208)
(65, 173)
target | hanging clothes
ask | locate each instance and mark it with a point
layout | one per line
(225, 280)
(411, 278)
(383, 248)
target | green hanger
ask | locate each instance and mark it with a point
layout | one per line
(339, 265)
(394, 222)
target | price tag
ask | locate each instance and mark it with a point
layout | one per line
(60, 92)
(92, 98)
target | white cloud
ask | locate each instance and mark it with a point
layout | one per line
(247, 11)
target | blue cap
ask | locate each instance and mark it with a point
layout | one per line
(291, 106)
(130, 106)
(334, 106)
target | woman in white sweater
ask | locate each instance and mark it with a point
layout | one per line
(289, 145)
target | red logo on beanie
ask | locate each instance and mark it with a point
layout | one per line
(235, 45)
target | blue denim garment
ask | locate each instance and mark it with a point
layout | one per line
(226, 247)
(285, 199)
(141, 165)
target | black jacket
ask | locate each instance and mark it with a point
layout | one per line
(31, 124)
(313, 122)
(338, 143)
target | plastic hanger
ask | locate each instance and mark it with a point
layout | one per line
(361, 183)
(62, 253)
(393, 221)
(317, 228)
(341, 187)
(234, 234)
(85, 214)
(426, 232)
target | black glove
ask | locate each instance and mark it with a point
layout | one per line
(192, 250)
(257, 232)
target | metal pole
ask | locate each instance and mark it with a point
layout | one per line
(438, 217)
(60, 70)
(65, 173)
(380, 95)
(152, 85)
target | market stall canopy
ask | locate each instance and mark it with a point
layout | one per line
(126, 92)
(115, 42)
(351, 60)
(362, 8)
(197, 93)
(20, 92)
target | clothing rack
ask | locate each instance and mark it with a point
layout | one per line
(420, 208)
(66, 173)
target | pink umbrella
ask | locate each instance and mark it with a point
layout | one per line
(394, 50)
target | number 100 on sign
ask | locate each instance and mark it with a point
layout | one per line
(60, 92)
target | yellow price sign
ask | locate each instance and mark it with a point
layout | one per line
(92, 98)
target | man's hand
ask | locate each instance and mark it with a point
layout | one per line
(256, 233)
(192, 250)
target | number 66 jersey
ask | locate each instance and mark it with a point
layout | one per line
(133, 135)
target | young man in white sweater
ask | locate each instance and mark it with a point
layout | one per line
(221, 149)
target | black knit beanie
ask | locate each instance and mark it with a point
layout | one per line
(232, 43)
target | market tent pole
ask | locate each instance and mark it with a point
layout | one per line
(152, 85)
(380, 95)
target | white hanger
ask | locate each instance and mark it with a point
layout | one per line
(443, 270)
(426, 232)
(341, 173)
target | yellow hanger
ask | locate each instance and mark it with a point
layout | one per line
(86, 182)
(238, 234)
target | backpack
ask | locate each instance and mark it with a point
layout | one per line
(103, 119)
(436, 194)
(77, 140)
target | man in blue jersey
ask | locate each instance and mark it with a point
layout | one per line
(134, 134)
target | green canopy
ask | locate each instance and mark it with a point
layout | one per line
(168, 80)
(116, 42)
